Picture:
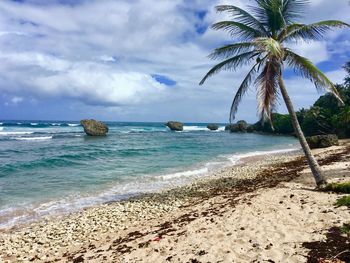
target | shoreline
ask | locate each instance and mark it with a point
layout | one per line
(79, 234)
(169, 180)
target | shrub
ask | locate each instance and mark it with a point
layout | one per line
(344, 201)
(338, 187)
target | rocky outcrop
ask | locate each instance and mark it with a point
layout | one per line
(175, 125)
(240, 126)
(213, 127)
(251, 128)
(231, 128)
(94, 128)
(322, 141)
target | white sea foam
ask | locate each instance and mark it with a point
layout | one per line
(1, 128)
(136, 130)
(33, 138)
(195, 128)
(234, 159)
(73, 124)
(201, 128)
(34, 123)
(14, 133)
(1, 123)
(189, 173)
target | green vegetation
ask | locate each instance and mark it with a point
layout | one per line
(345, 229)
(326, 116)
(344, 201)
(338, 187)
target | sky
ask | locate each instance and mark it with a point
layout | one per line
(138, 60)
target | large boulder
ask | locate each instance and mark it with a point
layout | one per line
(175, 125)
(322, 141)
(231, 127)
(213, 127)
(242, 126)
(251, 128)
(94, 128)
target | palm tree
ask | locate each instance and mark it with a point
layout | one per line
(347, 78)
(261, 37)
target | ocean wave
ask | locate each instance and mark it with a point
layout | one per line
(195, 128)
(38, 124)
(234, 159)
(14, 133)
(138, 130)
(201, 128)
(188, 173)
(32, 138)
(26, 124)
(1, 128)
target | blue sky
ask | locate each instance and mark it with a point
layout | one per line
(137, 60)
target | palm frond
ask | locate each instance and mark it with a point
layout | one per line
(231, 50)
(288, 30)
(242, 90)
(293, 9)
(315, 31)
(237, 30)
(230, 64)
(307, 69)
(269, 12)
(267, 90)
(347, 69)
(240, 93)
(242, 16)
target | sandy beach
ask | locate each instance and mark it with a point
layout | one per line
(262, 210)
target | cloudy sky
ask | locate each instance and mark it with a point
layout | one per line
(136, 60)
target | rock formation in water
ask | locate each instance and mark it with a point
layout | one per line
(175, 125)
(213, 127)
(94, 128)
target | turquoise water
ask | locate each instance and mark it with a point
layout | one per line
(52, 167)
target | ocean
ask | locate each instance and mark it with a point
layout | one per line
(52, 167)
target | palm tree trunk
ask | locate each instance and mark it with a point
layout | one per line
(315, 168)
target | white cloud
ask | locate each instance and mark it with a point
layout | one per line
(16, 100)
(316, 51)
(104, 53)
(91, 82)
(5, 33)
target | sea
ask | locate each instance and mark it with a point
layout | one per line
(51, 167)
